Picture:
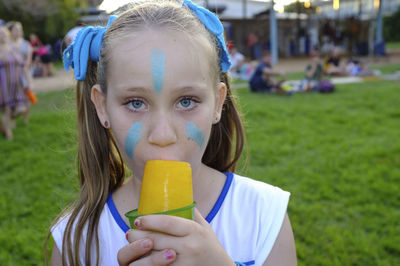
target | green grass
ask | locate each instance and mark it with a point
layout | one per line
(387, 69)
(37, 176)
(338, 154)
(393, 45)
(295, 75)
(58, 64)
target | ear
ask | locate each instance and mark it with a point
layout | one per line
(220, 99)
(99, 100)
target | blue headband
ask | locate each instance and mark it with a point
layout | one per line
(89, 40)
(213, 25)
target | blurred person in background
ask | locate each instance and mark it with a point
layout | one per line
(264, 77)
(333, 66)
(24, 48)
(71, 34)
(237, 59)
(13, 100)
(41, 57)
(313, 73)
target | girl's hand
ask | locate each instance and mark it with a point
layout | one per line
(194, 242)
(140, 253)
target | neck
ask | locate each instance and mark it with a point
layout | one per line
(207, 186)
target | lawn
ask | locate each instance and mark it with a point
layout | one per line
(338, 154)
(393, 45)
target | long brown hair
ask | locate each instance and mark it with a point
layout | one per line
(101, 166)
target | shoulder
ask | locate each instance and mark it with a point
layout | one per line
(26, 44)
(111, 236)
(257, 190)
(252, 213)
(266, 202)
(58, 229)
(261, 66)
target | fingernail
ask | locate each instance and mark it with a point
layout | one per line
(145, 243)
(168, 255)
(137, 223)
(127, 234)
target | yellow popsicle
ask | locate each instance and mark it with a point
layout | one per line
(166, 185)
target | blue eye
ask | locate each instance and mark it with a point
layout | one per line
(136, 105)
(185, 102)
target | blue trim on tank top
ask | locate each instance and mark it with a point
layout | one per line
(209, 218)
(115, 214)
(221, 198)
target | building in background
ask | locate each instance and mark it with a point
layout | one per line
(351, 27)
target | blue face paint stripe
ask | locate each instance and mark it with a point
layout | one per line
(157, 58)
(194, 133)
(133, 137)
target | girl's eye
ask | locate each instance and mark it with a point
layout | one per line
(186, 103)
(136, 105)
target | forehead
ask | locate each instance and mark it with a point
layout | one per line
(132, 58)
(17, 26)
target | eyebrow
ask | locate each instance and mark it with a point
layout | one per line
(191, 88)
(137, 89)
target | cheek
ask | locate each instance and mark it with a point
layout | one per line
(195, 134)
(135, 134)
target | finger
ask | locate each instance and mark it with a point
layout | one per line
(157, 258)
(160, 240)
(166, 224)
(136, 234)
(134, 251)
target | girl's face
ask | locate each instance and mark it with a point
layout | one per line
(161, 102)
(17, 32)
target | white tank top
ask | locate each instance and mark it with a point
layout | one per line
(246, 218)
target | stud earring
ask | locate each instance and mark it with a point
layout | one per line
(106, 125)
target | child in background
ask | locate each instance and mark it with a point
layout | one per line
(155, 87)
(264, 77)
(24, 48)
(13, 100)
(237, 60)
(314, 72)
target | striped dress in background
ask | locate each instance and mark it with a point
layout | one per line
(12, 78)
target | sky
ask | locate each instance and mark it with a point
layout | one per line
(111, 5)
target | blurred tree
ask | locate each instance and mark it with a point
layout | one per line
(49, 19)
(391, 30)
(299, 7)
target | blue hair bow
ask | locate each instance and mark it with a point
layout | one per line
(87, 43)
(214, 25)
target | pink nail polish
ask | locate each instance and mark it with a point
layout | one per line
(126, 235)
(137, 223)
(168, 255)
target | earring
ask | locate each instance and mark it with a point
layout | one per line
(106, 125)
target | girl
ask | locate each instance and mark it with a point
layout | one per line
(160, 91)
(24, 48)
(13, 100)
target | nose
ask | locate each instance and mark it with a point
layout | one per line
(162, 132)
